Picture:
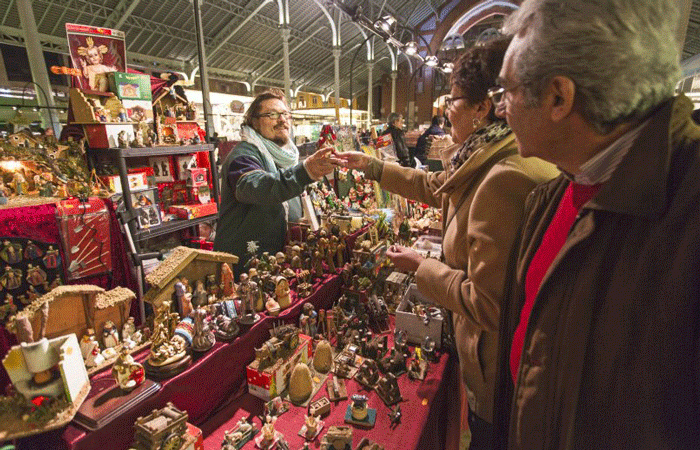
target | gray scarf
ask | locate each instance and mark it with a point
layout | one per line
(281, 157)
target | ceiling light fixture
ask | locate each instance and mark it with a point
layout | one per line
(431, 61)
(387, 24)
(410, 48)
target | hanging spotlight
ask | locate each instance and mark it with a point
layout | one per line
(431, 61)
(387, 24)
(447, 45)
(410, 48)
(447, 67)
(35, 109)
(15, 108)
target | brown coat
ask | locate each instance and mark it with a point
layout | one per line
(611, 351)
(476, 245)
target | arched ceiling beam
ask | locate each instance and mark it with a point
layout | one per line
(334, 28)
(121, 13)
(278, 60)
(230, 30)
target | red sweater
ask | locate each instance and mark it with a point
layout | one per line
(575, 196)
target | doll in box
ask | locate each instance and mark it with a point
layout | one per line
(92, 65)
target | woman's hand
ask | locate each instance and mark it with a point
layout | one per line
(405, 259)
(322, 162)
(355, 160)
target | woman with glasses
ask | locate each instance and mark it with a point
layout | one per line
(481, 190)
(262, 178)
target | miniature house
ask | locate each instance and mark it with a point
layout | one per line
(23, 362)
(23, 138)
(73, 309)
(175, 116)
(193, 264)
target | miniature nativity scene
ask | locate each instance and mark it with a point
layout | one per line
(49, 367)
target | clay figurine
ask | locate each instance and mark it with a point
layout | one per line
(32, 251)
(199, 296)
(395, 416)
(138, 138)
(268, 435)
(227, 285)
(128, 373)
(202, 337)
(35, 275)
(11, 253)
(12, 278)
(307, 319)
(166, 348)
(123, 139)
(388, 389)
(282, 292)
(368, 374)
(183, 299)
(19, 182)
(236, 438)
(110, 335)
(272, 307)
(311, 428)
(90, 349)
(359, 407)
(226, 328)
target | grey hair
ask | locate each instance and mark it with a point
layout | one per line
(621, 54)
(393, 117)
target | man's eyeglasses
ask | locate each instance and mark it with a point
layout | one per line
(497, 93)
(450, 100)
(276, 115)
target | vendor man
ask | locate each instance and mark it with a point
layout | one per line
(262, 179)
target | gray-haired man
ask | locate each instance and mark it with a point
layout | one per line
(599, 346)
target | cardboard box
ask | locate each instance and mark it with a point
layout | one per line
(270, 382)
(105, 135)
(198, 177)
(137, 181)
(187, 130)
(193, 211)
(414, 325)
(132, 86)
(138, 110)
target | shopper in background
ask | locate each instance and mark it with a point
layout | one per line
(395, 128)
(601, 344)
(436, 129)
(262, 178)
(482, 192)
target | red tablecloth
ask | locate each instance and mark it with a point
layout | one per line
(424, 424)
(211, 384)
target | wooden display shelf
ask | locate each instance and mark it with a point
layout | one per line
(169, 227)
(163, 150)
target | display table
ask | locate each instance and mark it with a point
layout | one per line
(214, 393)
(209, 385)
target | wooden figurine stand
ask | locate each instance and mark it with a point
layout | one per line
(102, 408)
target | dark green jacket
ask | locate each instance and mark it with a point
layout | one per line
(252, 196)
